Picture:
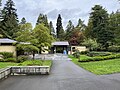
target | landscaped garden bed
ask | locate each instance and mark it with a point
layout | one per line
(102, 65)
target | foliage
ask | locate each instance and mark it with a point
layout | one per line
(36, 62)
(84, 52)
(24, 34)
(43, 38)
(114, 48)
(23, 21)
(91, 44)
(9, 23)
(42, 19)
(6, 54)
(21, 58)
(52, 30)
(8, 60)
(59, 29)
(6, 64)
(81, 26)
(99, 26)
(76, 54)
(100, 58)
(93, 54)
(114, 21)
(76, 37)
(101, 67)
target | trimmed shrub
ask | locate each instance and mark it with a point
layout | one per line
(93, 54)
(10, 60)
(99, 58)
(7, 54)
(22, 59)
(84, 52)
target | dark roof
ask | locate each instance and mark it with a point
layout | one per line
(6, 40)
(60, 43)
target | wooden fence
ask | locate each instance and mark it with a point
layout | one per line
(24, 70)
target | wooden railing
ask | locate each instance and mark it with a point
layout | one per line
(13, 70)
(5, 73)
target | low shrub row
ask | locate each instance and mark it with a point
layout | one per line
(100, 58)
(19, 59)
(93, 54)
(8, 60)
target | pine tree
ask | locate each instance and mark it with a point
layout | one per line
(52, 30)
(10, 20)
(70, 26)
(23, 21)
(114, 26)
(100, 30)
(69, 29)
(42, 19)
(81, 26)
(59, 28)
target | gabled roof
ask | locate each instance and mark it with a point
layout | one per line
(6, 40)
(60, 43)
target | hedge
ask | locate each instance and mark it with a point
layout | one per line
(100, 58)
(93, 54)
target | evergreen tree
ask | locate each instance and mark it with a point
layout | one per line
(114, 26)
(23, 21)
(88, 30)
(10, 21)
(42, 19)
(69, 29)
(59, 28)
(100, 30)
(52, 30)
(81, 26)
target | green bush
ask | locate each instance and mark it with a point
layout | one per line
(93, 54)
(114, 49)
(100, 58)
(84, 52)
(10, 60)
(7, 54)
(76, 54)
(22, 58)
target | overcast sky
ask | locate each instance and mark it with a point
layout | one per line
(69, 9)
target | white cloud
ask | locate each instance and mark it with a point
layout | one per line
(69, 9)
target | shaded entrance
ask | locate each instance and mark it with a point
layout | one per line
(60, 47)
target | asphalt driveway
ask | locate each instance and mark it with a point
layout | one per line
(64, 75)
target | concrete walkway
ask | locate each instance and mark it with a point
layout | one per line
(65, 75)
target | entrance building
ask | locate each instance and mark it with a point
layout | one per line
(60, 47)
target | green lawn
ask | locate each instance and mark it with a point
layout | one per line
(99, 67)
(5, 64)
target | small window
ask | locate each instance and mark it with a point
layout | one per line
(73, 49)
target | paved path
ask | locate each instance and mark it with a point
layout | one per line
(65, 75)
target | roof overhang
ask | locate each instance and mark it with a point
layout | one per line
(60, 43)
